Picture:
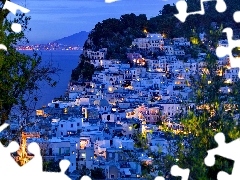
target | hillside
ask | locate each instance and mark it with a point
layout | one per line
(75, 39)
(117, 34)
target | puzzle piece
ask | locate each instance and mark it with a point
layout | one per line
(177, 171)
(111, 1)
(7, 161)
(229, 151)
(236, 16)
(13, 8)
(88, 178)
(64, 164)
(4, 126)
(9, 169)
(159, 178)
(223, 51)
(182, 9)
(35, 164)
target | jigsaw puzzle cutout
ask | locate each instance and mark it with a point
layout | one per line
(9, 169)
(227, 51)
(111, 1)
(13, 8)
(177, 171)
(159, 178)
(229, 151)
(220, 7)
(236, 16)
(182, 9)
(86, 178)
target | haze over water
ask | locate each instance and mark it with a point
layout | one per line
(66, 61)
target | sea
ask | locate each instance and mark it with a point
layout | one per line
(64, 60)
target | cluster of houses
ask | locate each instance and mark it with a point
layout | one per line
(94, 125)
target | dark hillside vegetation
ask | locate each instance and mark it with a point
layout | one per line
(117, 34)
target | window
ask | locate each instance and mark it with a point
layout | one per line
(77, 124)
(110, 155)
(112, 176)
(108, 117)
(71, 125)
(61, 133)
(61, 125)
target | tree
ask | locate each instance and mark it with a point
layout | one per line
(19, 73)
(98, 173)
(84, 70)
(204, 122)
(140, 140)
(51, 166)
(169, 10)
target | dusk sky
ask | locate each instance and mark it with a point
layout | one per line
(54, 19)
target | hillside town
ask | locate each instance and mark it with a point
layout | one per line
(95, 125)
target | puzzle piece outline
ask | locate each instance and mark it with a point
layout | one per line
(228, 151)
(6, 161)
(177, 171)
(227, 51)
(16, 27)
(181, 6)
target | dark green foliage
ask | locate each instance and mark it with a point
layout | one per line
(117, 34)
(19, 73)
(201, 124)
(51, 166)
(205, 123)
(84, 70)
(98, 173)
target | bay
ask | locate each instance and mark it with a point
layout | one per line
(66, 61)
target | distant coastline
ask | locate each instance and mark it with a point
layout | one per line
(80, 49)
(74, 42)
(49, 47)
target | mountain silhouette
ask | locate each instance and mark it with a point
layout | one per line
(75, 39)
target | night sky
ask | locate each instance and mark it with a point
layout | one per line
(54, 19)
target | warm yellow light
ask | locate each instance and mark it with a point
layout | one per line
(110, 89)
(194, 40)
